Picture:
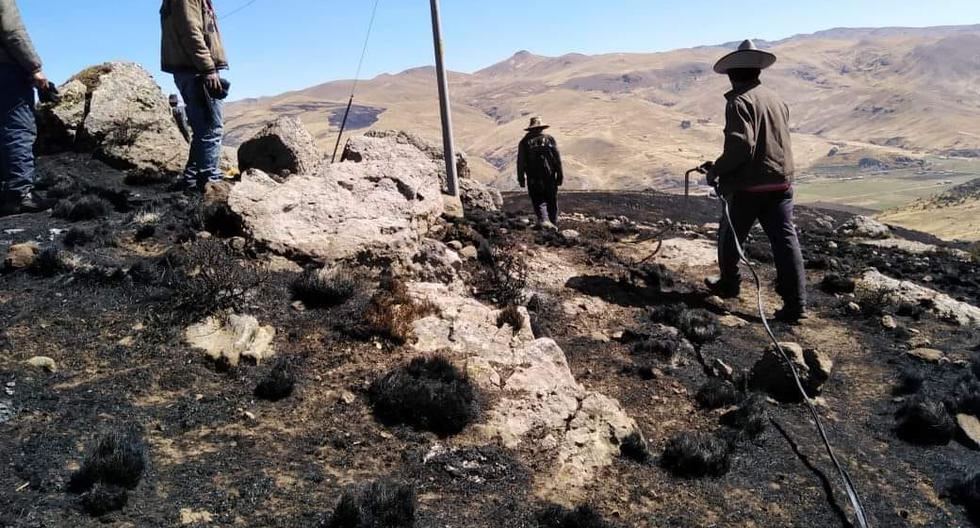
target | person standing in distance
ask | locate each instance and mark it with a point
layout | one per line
(192, 50)
(539, 169)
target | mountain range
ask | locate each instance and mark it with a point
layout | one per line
(858, 97)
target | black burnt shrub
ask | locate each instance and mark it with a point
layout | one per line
(699, 326)
(910, 381)
(429, 394)
(668, 314)
(834, 283)
(103, 499)
(380, 504)
(694, 455)
(145, 232)
(966, 397)
(279, 384)
(924, 422)
(511, 316)
(87, 207)
(967, 493)
(205, 278)
(116, 460)
(50, 262)
(323, 288)
(555, 516)
(716, 394)
(635, 447)
(750, 418)
(656, 276)
(79, 236)
(504, 276)
(661, 348)
(975, 365)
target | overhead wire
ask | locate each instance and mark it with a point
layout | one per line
(357, 79)
(238, 9)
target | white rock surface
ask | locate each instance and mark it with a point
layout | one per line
(864, 227)
(898, 292)
(232, 338)
(282, 146)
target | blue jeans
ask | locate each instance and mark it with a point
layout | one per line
(18, 131)
(774, 210)
(206, 119)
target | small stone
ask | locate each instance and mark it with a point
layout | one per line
(455, 245)
(250, 415)
(237, 243)
(889, 323)
(970, 426)
(43, 363)
(722, 369)
(347, 397)
(299, 306)
(929, 355)
(468, 253)
(600, 337)
(571, 234)
(853, 307)
(204, 235)
(919, 341)
(21, 256)
(733, 321)
(832, 245)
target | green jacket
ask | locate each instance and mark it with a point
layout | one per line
(15, 44)
(758, 149)
(191, 40)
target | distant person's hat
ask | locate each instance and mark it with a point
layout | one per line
(536, 124)
(748, 56)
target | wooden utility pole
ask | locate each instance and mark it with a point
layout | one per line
(448, 144)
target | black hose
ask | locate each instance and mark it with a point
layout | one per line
(845, 476)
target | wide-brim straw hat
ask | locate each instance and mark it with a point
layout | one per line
(537, 124)
(748, 56)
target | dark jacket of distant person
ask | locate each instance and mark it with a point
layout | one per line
(191, 38)
(758, 151)
(15, 44)
(530, 173)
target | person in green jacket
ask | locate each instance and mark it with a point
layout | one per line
(192, 50)
(20, 73)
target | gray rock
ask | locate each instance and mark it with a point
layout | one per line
(231, 338)
(876, 288)
(43, 363)
(772, 375)
(479, 196)
(435, 262)
(383, 206)
(864, 227)
(21, 256)
(283, 147)
(117, 111)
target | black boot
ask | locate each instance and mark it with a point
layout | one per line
(792, 314)
(722, 288)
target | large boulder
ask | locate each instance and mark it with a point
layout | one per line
(864, 227)
(383, 206)
(771, 373)
(886, 292)
(118, 112)
(283, 147)
(538, 408)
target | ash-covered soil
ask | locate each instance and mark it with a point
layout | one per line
(110, 303)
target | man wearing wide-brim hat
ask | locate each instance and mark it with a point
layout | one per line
(539, 168)
(755, 173)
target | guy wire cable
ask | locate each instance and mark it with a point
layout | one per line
(357, 79)
(237, 10)
(845, 476)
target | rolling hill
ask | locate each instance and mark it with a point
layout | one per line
(860, 98)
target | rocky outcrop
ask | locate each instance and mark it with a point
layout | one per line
(383, 206)
(232, 338)
(118, 112)
(283, 147)
(887, 292)
(864, 227)
(772, 375)
(538, 405)
(477, 196)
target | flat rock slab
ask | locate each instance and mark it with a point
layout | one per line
(929, 355)
(535, 392)
(878, 288)
(678, 254)
(233, 338)
(970, 427)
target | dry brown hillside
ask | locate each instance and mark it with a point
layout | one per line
(639, 120)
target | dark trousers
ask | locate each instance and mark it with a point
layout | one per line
(205, 115)
(544, 199)
(774, 210)
(18, 131)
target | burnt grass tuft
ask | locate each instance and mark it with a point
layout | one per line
(87, 207)
(659, 348)
(750, 419)
(49, 262)
(695, 455)
(430, 394)
(910, 381)
(115, 464)
(967, 493)
(391, 312)
(278, 384)
(511, 316)
(835, 283)
(379, 504)
(668, 314)
(699, 326)
(966, 397)
(921, 421)
(555, 516)
(635, 448)
(716, 394)
(325, 288)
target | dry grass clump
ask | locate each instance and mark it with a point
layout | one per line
(392, 311)
(324, 287)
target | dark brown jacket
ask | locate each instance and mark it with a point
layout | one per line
(191, 40)
(527, 171)
(15, 44)
(758, 150)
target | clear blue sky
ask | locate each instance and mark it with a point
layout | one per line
(279, 45)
